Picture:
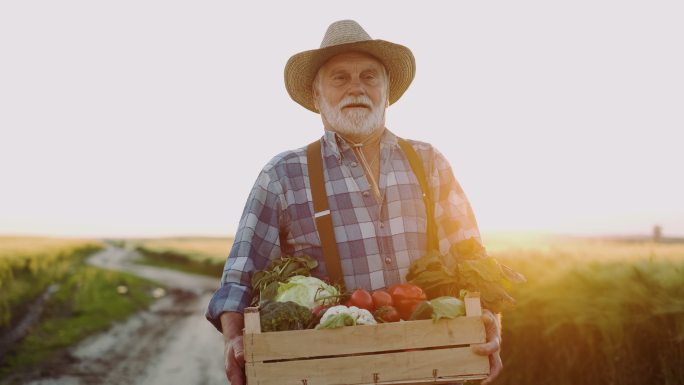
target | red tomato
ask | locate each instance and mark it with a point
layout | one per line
(387, 314)
(406, 298)
(381, 298)
(362, 299)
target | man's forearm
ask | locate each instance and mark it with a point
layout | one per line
(232, 324)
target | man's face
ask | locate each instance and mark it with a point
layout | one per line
(351, 93)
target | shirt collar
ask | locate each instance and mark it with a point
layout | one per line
(337, 145)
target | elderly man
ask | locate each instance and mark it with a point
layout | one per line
(377, 215)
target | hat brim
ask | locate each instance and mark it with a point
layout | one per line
(301, 69)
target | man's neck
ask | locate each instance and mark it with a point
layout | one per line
(367, 141)
(367, 151)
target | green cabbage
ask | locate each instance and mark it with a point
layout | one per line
(305, 291)
(447, 307)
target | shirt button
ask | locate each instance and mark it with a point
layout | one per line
(388, 260)
(354, 164)
(382, 225)
(365, 193)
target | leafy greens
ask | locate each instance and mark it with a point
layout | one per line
(466, 267)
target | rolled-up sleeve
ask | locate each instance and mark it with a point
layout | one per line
(257, 242)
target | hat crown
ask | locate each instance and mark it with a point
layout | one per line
(348, 36)
(343, 32)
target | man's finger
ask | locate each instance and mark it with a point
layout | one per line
(238, 351)
(490, 347)
(235, 361)
(493, 344)
(495, 367)
(235, 371)
(491, 322)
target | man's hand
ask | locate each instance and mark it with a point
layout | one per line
(233, 351)
(493, 345)
(233, 347)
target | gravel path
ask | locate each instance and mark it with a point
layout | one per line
(171, 343)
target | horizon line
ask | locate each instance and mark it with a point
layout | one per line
(484, 234)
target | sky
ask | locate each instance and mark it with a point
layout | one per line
(153, 118)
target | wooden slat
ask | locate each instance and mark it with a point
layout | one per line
(363, 338)
(452, 364)
(472, 304)
(252, 320)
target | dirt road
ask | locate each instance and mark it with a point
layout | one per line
(171, 343)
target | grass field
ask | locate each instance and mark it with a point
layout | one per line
(197, 255)
(87, 300)
(28, 265)
(593, 311)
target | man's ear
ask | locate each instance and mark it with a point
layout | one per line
(314, 94)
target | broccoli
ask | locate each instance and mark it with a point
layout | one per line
(279, 316)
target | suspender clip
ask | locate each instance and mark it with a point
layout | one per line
(321, 213)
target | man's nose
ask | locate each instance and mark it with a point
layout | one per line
(356, 88)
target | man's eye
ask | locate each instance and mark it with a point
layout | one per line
(371, 78)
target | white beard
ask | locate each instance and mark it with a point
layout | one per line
(353, 121)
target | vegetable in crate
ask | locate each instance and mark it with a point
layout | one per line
(467, 267)
(362, 299)
(387, 313)
(424, 310)
(265, 282)
(279, 316)
(406, 297)
(306, 291)
(438, 308)
(433, 274)
(381, 298)
(339, 316)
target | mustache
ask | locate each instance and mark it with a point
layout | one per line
(356, 101)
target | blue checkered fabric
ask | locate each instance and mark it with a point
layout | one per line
(376, 242)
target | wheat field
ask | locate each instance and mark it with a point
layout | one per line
(214, 250)
(594, 312)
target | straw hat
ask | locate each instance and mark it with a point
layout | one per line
(346, 36)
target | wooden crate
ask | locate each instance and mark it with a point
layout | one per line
(368, 354)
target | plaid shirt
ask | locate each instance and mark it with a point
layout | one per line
(376, 243)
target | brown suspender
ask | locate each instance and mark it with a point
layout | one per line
(322, 212)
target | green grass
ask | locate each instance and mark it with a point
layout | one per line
(28, 274)
(198, 255)
(87, 302)
(202, 249)
(179, 261)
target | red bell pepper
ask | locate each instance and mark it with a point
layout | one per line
(406, 297)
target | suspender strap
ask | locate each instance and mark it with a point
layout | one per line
(322, 214)
(417, 167)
